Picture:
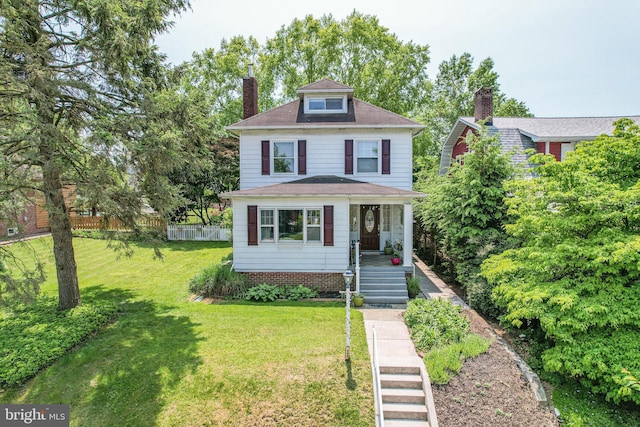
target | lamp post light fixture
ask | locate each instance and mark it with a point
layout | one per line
(348, 277)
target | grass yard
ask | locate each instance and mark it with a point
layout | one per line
(170, 362)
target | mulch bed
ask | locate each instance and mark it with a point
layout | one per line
(490, 390)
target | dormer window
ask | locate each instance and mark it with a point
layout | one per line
(325, 104)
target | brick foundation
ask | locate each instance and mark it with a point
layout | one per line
(324, 282)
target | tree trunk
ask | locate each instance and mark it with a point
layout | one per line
(68, 289)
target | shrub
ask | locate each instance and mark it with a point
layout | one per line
(270, 293)
(296, 293)
(435, 322)
(35, 335)
(479, 298)
(263, 293)
(218, 281)
(413, 286)
(438, 329)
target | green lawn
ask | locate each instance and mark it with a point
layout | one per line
(170, 362)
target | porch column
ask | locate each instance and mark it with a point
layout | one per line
(407, 249)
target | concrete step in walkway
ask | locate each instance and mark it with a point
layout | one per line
(406, 400)
(382, 285)
(402, 395)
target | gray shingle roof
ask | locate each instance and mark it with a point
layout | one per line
(521, 133)
(325, 85)
(330, 186)
(366, 115)
(558, 128)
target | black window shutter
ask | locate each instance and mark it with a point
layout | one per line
(386, 156)
(266, 161)
(252, 221)
(348, 157)
(302, 157)
(328, 225)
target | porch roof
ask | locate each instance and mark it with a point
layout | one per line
(333, 186)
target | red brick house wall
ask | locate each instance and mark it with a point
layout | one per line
(325, 282)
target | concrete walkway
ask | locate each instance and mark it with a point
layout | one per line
(395, 347)
(394, 342)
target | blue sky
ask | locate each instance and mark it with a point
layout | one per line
(562, 57)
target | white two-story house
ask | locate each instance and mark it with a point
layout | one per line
(316, 175)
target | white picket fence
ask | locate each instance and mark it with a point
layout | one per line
(197, 232)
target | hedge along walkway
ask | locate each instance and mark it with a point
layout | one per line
(496, 388)
(168, 361)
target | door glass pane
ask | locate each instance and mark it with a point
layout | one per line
(369, 221)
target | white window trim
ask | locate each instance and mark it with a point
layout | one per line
(276, 231)
(308, 98)
(272, 157)
(355, 156)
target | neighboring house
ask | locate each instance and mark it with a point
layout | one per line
(547, 135)
(317, 174)
(34, 219)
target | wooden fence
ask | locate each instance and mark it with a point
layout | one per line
(113, 224)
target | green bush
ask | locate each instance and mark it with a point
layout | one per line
(479, 298)
(413, 286)
(218, 281)
(270, 293)
(296, 293)
(263, 293)
(438, 329)
(35, 335)
(435, 322)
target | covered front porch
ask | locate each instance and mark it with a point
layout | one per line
(372, 226)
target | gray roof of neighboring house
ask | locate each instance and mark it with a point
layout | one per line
(328, 185)
(558, 129)
(520, 133)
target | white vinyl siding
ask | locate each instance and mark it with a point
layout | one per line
(325, 156)
(295, 256)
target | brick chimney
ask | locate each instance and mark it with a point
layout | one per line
(483, 105)
(249, 95)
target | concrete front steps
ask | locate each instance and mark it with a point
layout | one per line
(403, 397)
(383, 285)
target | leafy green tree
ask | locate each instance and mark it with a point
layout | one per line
(73, 78)
(576, 275)
(207, 92)
(357, 51)
(465, 212)
(451, 96)
(215, 77)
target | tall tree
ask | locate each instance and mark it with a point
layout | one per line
(451, 96)
(356, 51)
(465, 212)
(576, 275)
(73, 76)
(207, 91)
